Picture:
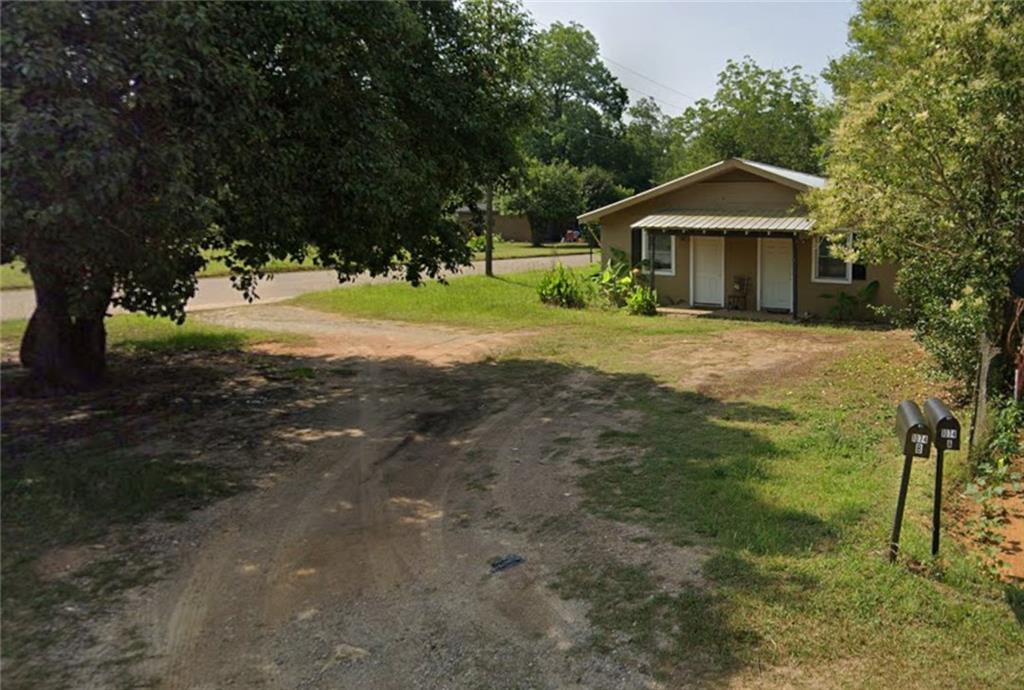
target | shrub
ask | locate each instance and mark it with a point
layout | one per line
(563, 288)
(616, 281)
(624, 286)
(643, 301)
(848, 306)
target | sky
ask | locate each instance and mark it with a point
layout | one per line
(682, 46)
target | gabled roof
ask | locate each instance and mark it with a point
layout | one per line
(789, 178)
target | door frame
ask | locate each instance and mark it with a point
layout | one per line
(760, 281)
(693, 252)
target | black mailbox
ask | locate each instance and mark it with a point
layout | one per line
(944, 426)
(912, 429)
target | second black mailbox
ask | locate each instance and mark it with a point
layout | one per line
(944, 426)
(913, 429)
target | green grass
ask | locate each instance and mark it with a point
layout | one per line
(794, 490)
(500, 303)
(135, 332)
(13, 276)
(790, 489)
(521, 250)
(59, 492)
(61, 495)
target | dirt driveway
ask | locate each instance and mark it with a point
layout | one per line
(389, 465)
(366, 563)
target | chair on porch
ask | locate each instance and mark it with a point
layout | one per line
(737, 299)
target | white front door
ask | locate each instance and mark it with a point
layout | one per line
(777, 274)
(708, 254)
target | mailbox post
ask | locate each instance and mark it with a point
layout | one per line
(913, 432)
(945, 429)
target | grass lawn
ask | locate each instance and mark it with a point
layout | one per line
(129, 333)
(12, 275)
(521, 250)
(790, 486)
(59, 494)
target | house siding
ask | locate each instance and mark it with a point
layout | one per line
(809, 293)
(511, 228)
(737, 191)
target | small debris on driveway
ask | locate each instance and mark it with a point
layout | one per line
(506, 562)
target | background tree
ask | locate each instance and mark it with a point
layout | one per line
(580, 102)
(551, 195)
(928, 165)
(768, 115)
(501, 31)
(135, 135)
(646, 137)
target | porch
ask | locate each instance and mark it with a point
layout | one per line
(736, 261)
(731, 314)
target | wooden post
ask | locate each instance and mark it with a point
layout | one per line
(489, 233)
(795, 262)
(650, 255)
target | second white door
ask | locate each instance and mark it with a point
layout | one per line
(777, 274)
(708, 271)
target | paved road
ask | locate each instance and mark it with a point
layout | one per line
(217, 293)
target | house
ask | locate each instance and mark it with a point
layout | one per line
(735, 234)
(511, 228)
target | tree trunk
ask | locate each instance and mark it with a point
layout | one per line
(538, 230)
(979, 420)
(63, 352)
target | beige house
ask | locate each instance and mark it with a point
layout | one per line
(735, 235)
(511, 228)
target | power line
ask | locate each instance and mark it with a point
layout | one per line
(681, 108)
(644, 93)
(643, 76)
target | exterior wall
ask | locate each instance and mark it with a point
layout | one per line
(809, 293)
(741, 261)
(737, 191)
(731, 192)
(512, 228)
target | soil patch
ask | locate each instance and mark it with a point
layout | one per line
(745, 360)
(337, 337)
(384, 467)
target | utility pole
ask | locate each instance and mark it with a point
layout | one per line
(489, 233)
(489, 230)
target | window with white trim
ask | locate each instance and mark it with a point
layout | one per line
(827, 267)
(664, 252)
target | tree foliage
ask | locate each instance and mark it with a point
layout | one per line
(550, 195)
(647, 136)
(137, 134)
(928, 162)
(768, 115)
(583, 112)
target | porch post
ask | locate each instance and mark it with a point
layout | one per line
(795, 262)
(650, 255)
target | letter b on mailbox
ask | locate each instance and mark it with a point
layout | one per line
(912, 428)
(945, 427)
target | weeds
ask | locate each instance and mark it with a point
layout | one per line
(994, 479)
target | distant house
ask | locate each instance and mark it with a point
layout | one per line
(734, 234)
(512, 228)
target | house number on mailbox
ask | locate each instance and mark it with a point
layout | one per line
(919, 441)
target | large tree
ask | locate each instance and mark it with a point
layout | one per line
(769, 115)
(580, 102)
(928, 164)
(135, 135)
(647, 138)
